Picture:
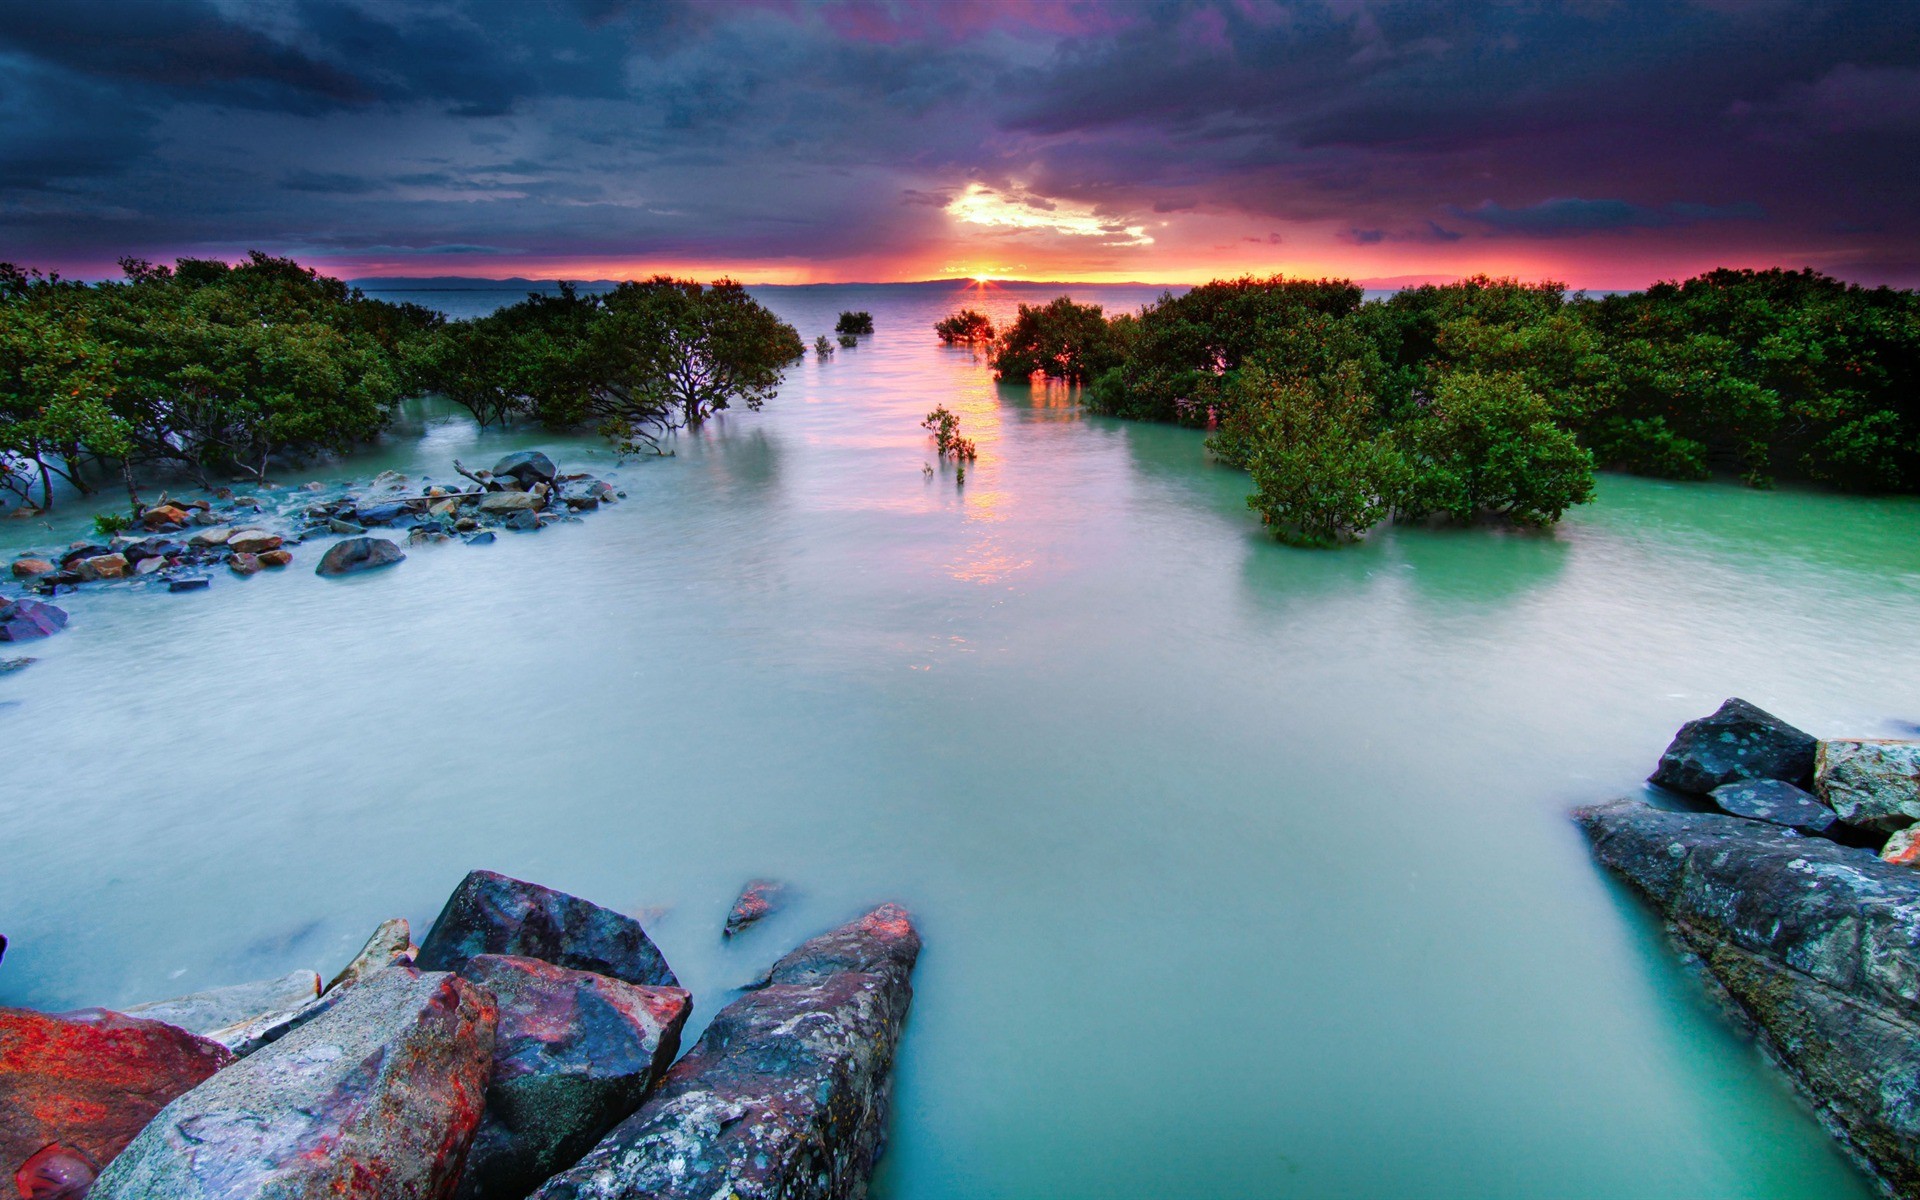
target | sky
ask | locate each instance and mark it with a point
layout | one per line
(1602, 143)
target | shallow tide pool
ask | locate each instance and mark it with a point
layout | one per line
(1243, 870)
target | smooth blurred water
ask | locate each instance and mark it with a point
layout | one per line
(1243, 870)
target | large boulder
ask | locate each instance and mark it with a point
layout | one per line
(24, 620)
(490, 913)
(1775, 801)
(1870, 784)
(1739, 741)
(527, 466)
(786, 1093)
(359, 554)
(82, 1084)
(376, 1099)
(1815, 943)
(575, 1053)
(217, 1008)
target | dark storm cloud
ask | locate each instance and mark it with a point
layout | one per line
(790, 130)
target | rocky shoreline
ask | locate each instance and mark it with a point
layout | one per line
(1797, 894)
(182, 542)
(526, 1047)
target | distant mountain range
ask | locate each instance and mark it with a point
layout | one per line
(465, 283)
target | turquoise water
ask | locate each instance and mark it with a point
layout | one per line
(1244, 870)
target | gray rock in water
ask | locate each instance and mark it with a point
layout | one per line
(217, 1008)
(1815, 943)
(759, 899)
(786, 1093)
(391, 945)
(524, 520)
(1776, 801)
(25, 620)
(188, 583)
(1738, 741)
(7, 667)
(379, 1098)
(337, 525)
(359, 554)
(1870, 784)
(485, 537)
(490, 913)
(527, 466)
(497, 503)
(574, 1054)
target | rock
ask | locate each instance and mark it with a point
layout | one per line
(486, 538)
(508, 502)
(27, 568)
(1815, 943)
(359, 554)
(786, 1093)
(25, 620)
(339, 526)
(164, 515)
(524, 520)
(760, 898)
(1776, 801)
(389, 480)
(1870, 784)
(215, 536)
(255, 541)
(445, 508)
(190, 583)
(466, 524)
(102, 566)
(377, 1098)
(391, 945)
(252, 502)
(148, 566)
(601, 490)
(244, 564)
(55, 1173)
(527, 466)
(380, 514)
(216, 1008)
(1903, 848)
(1739, 741)
(276, 558)
(574, 1055)
(88, 1081)
(83, 550)
(148, 549)
(491, 913)
(7, 667)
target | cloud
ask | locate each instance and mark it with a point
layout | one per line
(1573, 216)
(1021, 211)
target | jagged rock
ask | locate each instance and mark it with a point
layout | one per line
(760, 898)
(339, 526)
(1739, 741)
(391, 945)
(1776, 801)
(377, 1098)
(1817, 944)
(786, 1093)
(255, 541)
(1870, 784)
(217, 1008)
(88, 1081)
(574, 1054)
(24, 620)
(27, 568)
(490, 913)
(527, 466)
(1903, 848)
(497, 503)
(359, 554)
(524, 520)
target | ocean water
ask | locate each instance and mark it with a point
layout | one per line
(1243, 870)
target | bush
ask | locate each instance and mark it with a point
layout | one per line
(1488, 445)
(966, 327)
(1321, 474)
(1060, 340)
(854, 323)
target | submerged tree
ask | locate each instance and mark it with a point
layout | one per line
(966, 327)
(854, 323)
(1061, 340)
(948, 442)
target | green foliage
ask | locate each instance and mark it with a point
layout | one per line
(1489, 444)
(1060, 340)
(108, 524)
(854, 323)
(1321, 474)
(822, 348)
(948, 442)
(848, 341)
(967, 327)
(634, 363)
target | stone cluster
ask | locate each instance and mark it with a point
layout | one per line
(1797, 895)
(525, 1047)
